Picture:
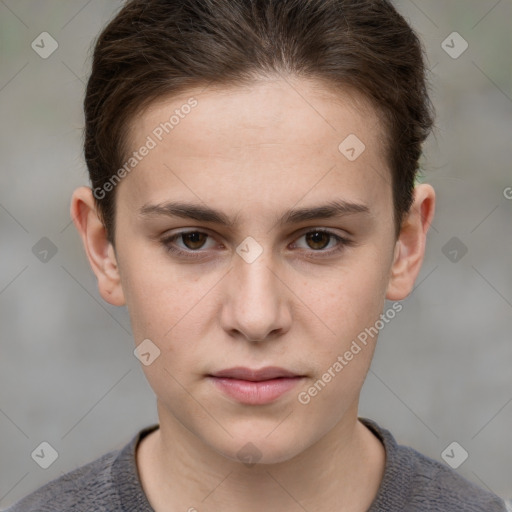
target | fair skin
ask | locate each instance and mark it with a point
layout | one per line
(255, 153)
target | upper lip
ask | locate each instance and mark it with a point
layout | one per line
(267, 373)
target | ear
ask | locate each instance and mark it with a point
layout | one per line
(410, 246)
(99, 250)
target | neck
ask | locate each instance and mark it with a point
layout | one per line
(342, 471)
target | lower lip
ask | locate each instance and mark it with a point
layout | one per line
(255, 393)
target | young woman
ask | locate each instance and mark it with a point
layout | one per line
(253, 204)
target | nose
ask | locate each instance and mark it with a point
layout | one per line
(256, 301)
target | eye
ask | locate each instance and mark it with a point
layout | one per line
(319, 239)
(193, 240)
(194, 243)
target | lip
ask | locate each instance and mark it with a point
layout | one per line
(267, 373)
(255, 387)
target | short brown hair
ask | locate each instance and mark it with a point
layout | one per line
(157, 48)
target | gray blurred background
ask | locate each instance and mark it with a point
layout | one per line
(443, 367)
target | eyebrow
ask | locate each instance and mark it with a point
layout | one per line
(202, 213)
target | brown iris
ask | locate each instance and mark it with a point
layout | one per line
(315, 237)
(195, 238)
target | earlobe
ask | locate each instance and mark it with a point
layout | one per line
(410, 246)
(99, 250)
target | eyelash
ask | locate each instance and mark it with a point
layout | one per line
(190, 254)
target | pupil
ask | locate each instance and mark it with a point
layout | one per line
(193, 238)
(317, 236)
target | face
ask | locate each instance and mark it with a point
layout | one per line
(263, 283)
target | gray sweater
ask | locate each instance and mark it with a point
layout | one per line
(412, 482)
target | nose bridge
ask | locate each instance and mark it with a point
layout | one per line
(255, 303)
(255, 278)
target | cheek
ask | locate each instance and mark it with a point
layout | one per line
(161, 307)
(168, 310)
(351, 298)
(157, 293)
(350, 305)
(176, 310)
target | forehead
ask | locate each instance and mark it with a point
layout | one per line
(270, 141)
(277, 110)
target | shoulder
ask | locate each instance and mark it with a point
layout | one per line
(445, 489)
(414, 482)
(103, 485)
(87, 486)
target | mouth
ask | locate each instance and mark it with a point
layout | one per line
(255, 387)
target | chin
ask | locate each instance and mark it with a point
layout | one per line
(260, 447)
